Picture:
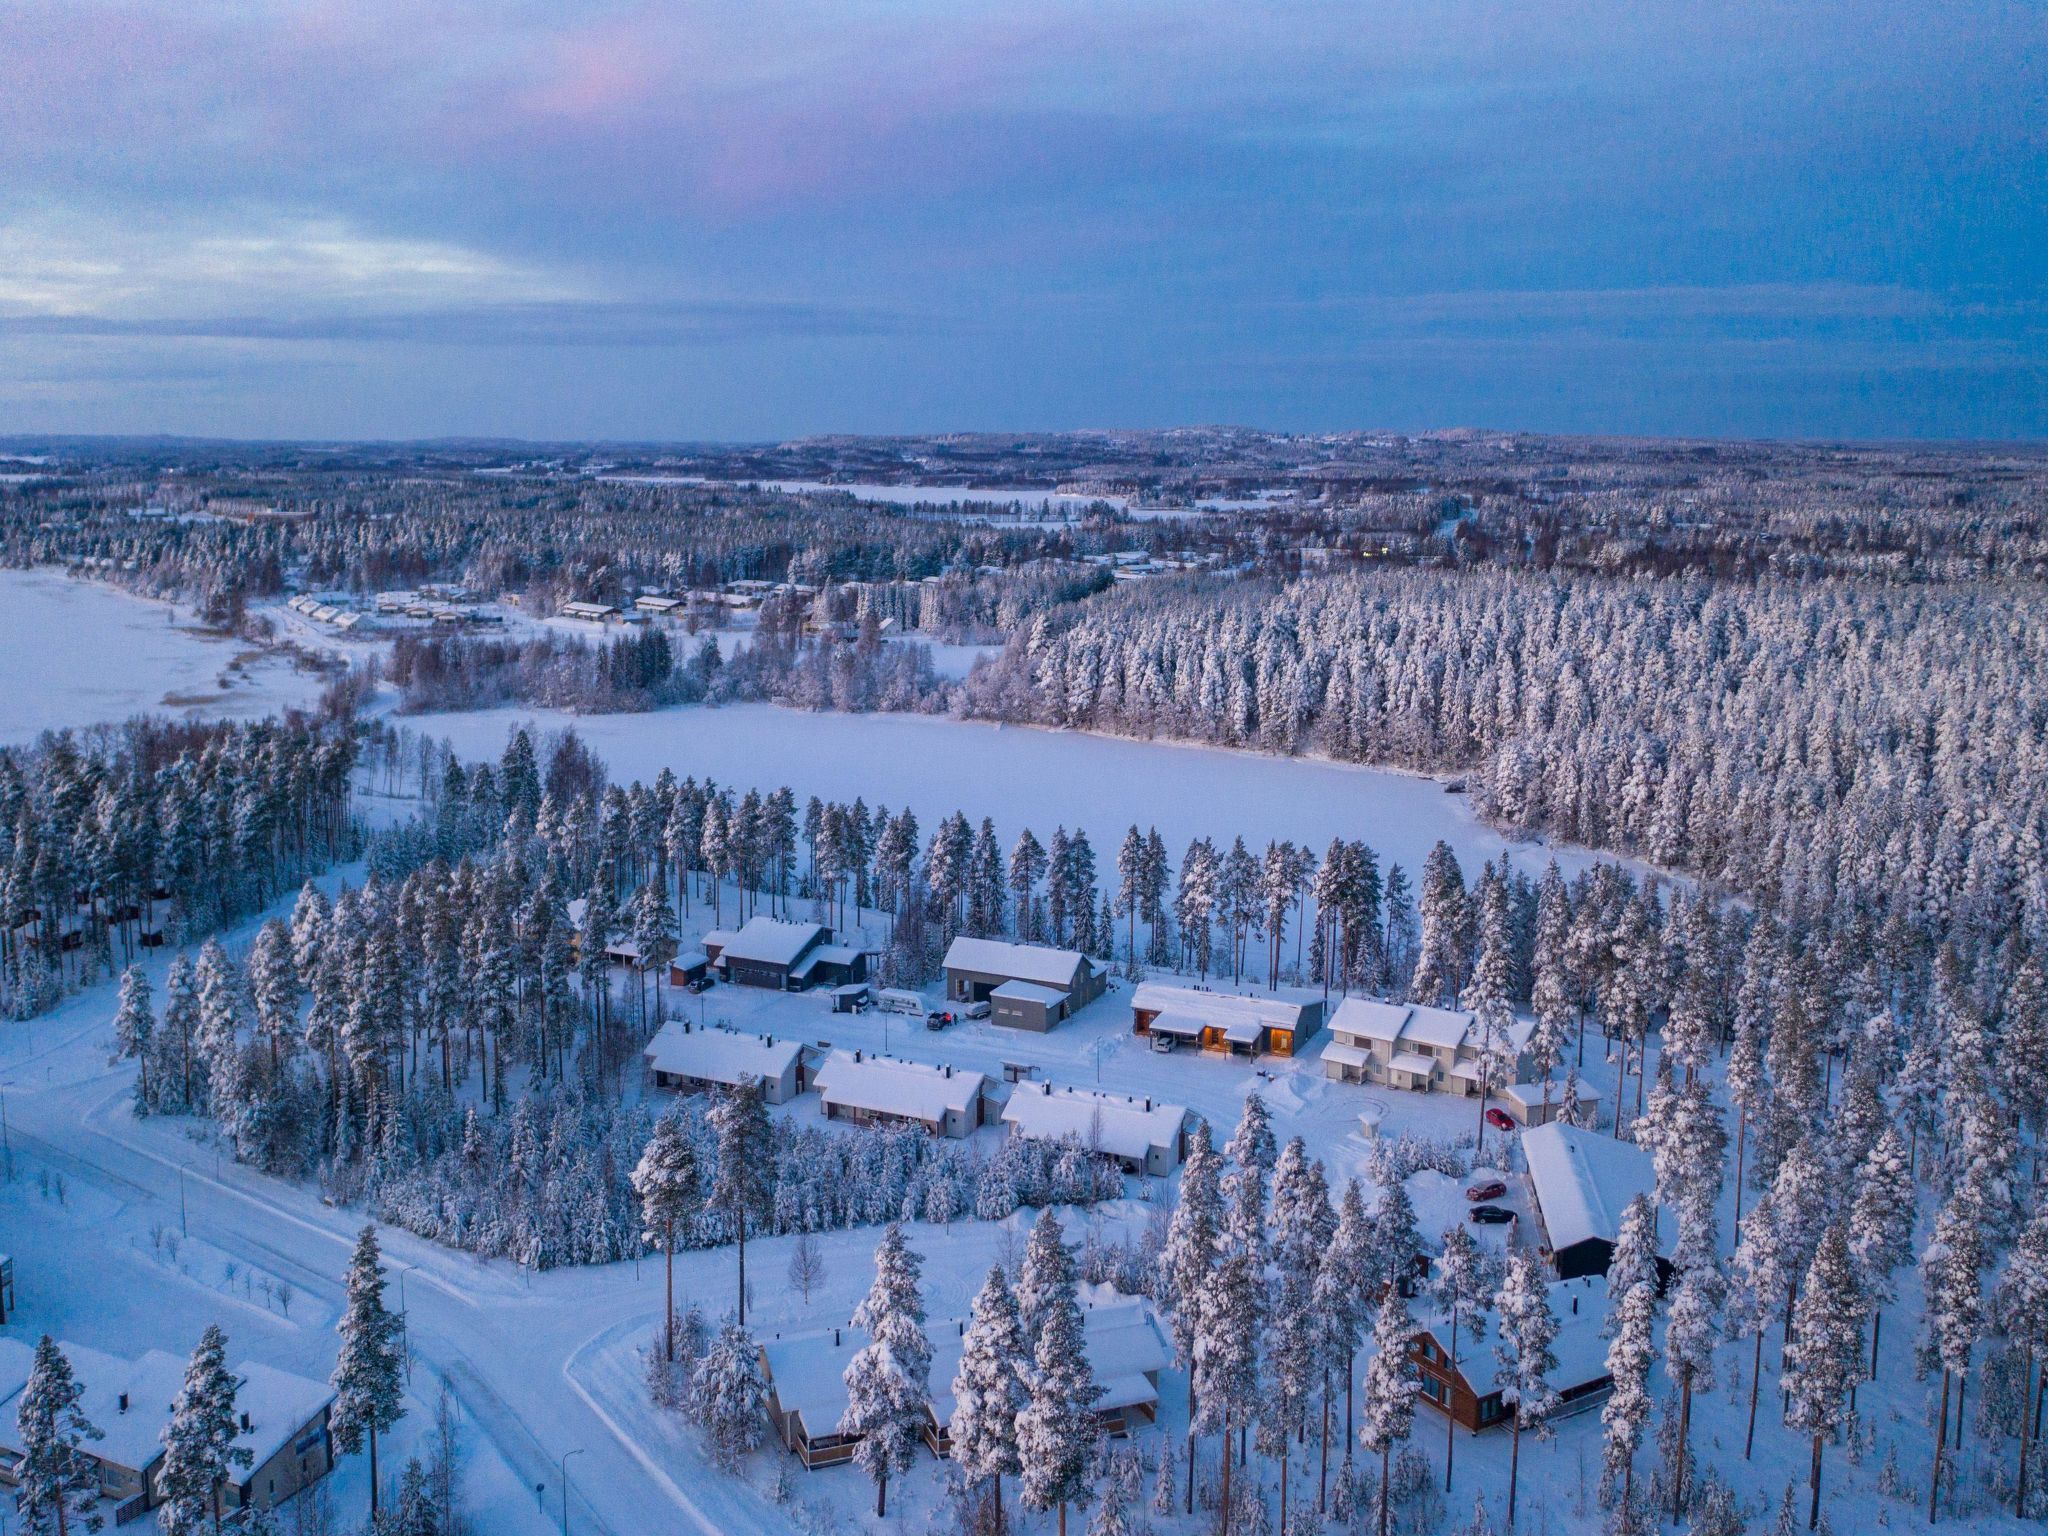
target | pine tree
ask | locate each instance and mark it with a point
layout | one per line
(1825, 1358)
(1440, 965)
(1689, 1339)
(1490, 995)
(667, 1183)
(1881, 1227)
(1524, 1329)
(1952, 1272)
(1056, 1429)
(1390, 1385)
(1186, 1269)
(368, 1377)
(745, 1163)
(2020, 1306)
(58, 1481)
(728, 1390)
(989, 1392)
(135, 1030)
(199, 1441)
(1253, 1145)
(887, 1380)
(1463, 1283)
(1633, 1261)
(1627, 1408)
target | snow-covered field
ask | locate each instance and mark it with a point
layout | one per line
(1021, 777)
(76, 653)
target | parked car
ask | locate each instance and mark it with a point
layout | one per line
(978, 1010)
(1491, 1189)
(938, 1018)
(1163, 1044)
(1500, 1120)
(1491, 1216)
(702, 984)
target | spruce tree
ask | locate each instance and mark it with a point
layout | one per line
(1463, 1283)
(887, 1380)
(135, 1030)
(1627, 1408)
(57, 1478)
(1524, 1329)
(744, 1163)
(1825, 1358)
(199, 1441)
(368, 1379)
(727, 1389)
(2021, 1307)
(1186, 1270)
(989, 1391)
(1056, 1429)
(1390, 1385)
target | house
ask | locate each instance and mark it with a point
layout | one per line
(691, 1059)
(589, 613)
(1581, 1182)
(1468, 1394)
(1236, 1023)
(1027, 986)
(1408, 1046)
(881, 1090)
(786, 956)
(1144, 1134)
(688, 968)
(283, 1427)
(282, 1422)
(1525, 1101)
(805, 1375)
(658, 606)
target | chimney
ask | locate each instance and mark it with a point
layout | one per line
(1148, 1103)
(246, 1425)
(1575, 1304)
(1045, 1090)
(835, 1338)
(856, 1055)
(124, 1402)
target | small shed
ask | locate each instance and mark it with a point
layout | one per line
(1027, 1005)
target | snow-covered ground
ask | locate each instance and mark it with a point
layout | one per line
(78, 653)
(1021, 776)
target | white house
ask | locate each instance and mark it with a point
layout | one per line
(1144, 1134)
(1405, 1045)
(882, 1090)
(1236, 1023)
(692, 1058)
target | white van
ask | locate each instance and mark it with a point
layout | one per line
(896, 1000)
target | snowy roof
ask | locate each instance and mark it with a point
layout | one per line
(1371, 1020)
(1344, 1055)
(1221, 1009)
(1437, 1026)
(1583, 1181)
(719, 1055)
(1176, 1024)
(1121, 1124)
(1413, 1061)
(914, 1089)
(770, 941)
(132, 1438)
(1123, 1340)
(1029, 992)
(1580, 1307)
(1527, 1094)
(277, 1405)
(825, 954)
(1024, 962)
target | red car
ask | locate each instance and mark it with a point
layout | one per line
(1492, 1189)
(1500, 1120)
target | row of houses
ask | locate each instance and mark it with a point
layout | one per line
(282, 1422)
(806, 1379)
(1146, 1135)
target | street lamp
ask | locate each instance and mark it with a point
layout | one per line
(565, 1487)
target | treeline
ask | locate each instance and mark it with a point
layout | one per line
(154, 832)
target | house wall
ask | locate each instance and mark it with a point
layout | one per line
(1023, 1013)
(308, 1457)
(1590, 1257)
(753, 973)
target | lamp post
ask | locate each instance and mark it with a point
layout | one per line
(565, 1487)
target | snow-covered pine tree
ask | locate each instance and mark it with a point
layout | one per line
(1551, 998)
(1186, 1269)
(1881, 1227)
(1440, 964)
(1691, 1333)
(1760, 1277)
(670, 1190)
(1390, 1385)
(58, 1481)
(1490, 995)
(1056, 1429)
(1340, 1301)
(989, 1391)
(1825, 1357)
(1627, 1409)
(1252, 1144)
(888, 1379)
(2020, 1306)
(727, 1390)
(199, 1440)
(1462, 1285)
(135, 1031)
(744, 1164)
(1524, 1329)
(1952, 1279)
(368, 1379)
(1634, 1259)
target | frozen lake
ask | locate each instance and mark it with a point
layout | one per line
(1025, 777)
(75, 653)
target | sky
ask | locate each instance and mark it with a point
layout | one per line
(760, 219)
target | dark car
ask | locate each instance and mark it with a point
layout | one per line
(1500, 1120)
(1491, 1215)
(1492, 1189)
(938, 1018)
(702, 984)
